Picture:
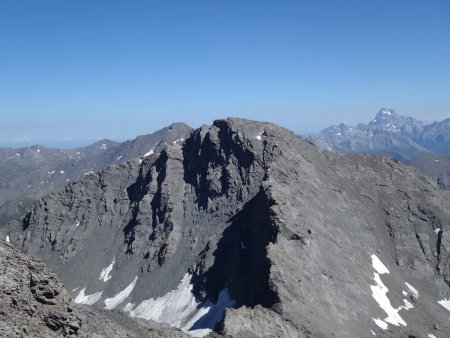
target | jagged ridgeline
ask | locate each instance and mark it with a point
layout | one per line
(250, 230)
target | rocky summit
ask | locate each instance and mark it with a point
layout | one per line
(249, 230)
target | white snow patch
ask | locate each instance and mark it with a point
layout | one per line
(89, 172)
(78, 153)
(61, 172)
(88, 299)
(75, 289)
(38, 151)
(7, 238)
(119, 158)
(151, 152)
(404, 293)
(111, 303)
(67, 180)
(129, 307)
(77, 225)
(436, 160)
(380, 323)
(431, 335)
(179, 140)
(408, 305)
(437, 230)
(18, 155)
(378, 265)
(445, 303)
(373, 332)
(140, 161)
(104, 274)
(413, 290)
(259, 136)
(180, 309)
(379, 293)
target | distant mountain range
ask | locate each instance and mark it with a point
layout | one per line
(424, 146)
(388, 134)
(29, 173)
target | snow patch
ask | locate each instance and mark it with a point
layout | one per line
(379, 293)
(77, 225)
(180, 309)
(378, 265)
(179, 140)
(380, 323)
(104, 274)
(373, 332)
(7, 238)
(445, 303)
(111, 303)
(413, 290)
(129, 307)
(437, 230)
(119, 158)
(38, 151)
(404, 293)
(75, 289)
(151, 152)
(88, 299)
(61, 172)
(431, 335)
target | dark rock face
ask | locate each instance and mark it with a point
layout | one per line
(306, 243)
(387, 134)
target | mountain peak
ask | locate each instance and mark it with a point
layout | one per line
(385, 113)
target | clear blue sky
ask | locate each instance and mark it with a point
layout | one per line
(88, 69)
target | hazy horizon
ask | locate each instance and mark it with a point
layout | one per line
(76, 72)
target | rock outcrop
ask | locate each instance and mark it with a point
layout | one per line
(34, 303)
(245, 215)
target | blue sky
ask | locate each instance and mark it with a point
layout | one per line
(87, 69)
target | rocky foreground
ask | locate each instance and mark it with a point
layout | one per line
(34, 303)
(247, 230)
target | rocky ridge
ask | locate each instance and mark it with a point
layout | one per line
(250, 230)
(27, 174)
